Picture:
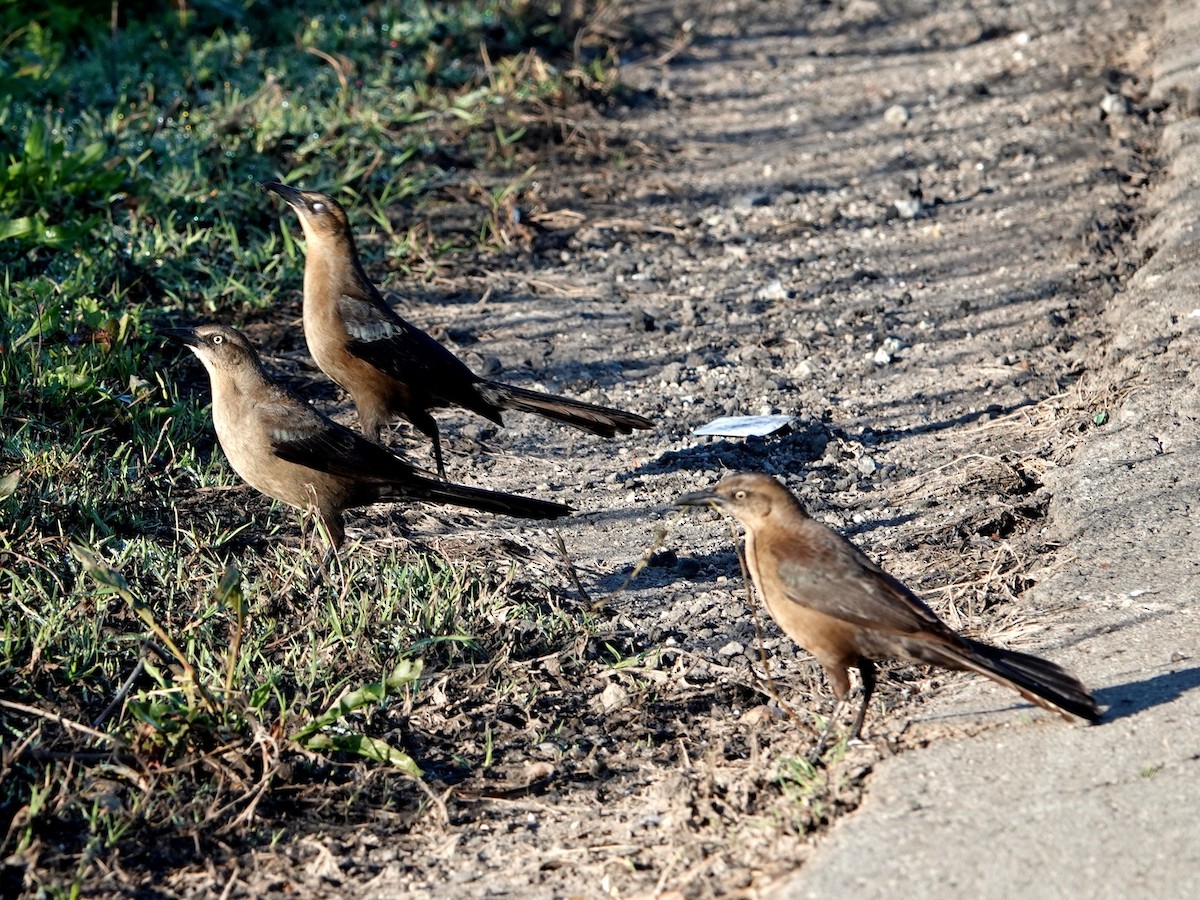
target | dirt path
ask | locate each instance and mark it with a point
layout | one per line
(898, 222)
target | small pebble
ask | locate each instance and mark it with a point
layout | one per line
(663, 559)
(908, 207)
(897, 116)
(1114, 105)
(613, 696)
(772, 291)
(640, 320)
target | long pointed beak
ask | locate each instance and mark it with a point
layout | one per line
(700, 498)
(290, 195)
(186, 336)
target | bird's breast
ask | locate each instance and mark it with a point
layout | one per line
(831, 640)
(247, 444)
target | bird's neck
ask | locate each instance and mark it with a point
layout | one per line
(231, 397)
(332, 269)
(751, 556)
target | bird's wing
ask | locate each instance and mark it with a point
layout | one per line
(825, 572)
(299, 434)
(397, 347)
(406, 353)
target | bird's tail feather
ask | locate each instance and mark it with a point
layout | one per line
(1038, 680)
(600, 420)
(474, 498)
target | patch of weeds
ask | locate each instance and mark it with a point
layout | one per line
(61, 188)
(810, 787)
(69, 357)
(142, 700)
(133, 152)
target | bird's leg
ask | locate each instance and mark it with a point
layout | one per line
(330, 528)
(322, 571)
(866, 669)
(437, 454)
(818, 749)
(427, 425)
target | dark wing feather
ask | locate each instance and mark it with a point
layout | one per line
(399, 349)
(834, 577)
(394, 345)
(299, 434)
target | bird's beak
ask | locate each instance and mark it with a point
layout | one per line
(290, 195)
(700, 498)
(186, 336)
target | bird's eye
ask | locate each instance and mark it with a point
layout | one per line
(218, 338)
(317, 206)
(739, 495)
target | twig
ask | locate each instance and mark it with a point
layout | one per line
(561, 546)
(660, 535)
(230, 883)
(121, 694)
(339, 68)
(439, 802)
(63, 721)
(635, 225)
(268, 773)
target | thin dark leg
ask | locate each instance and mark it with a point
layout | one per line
(426, 424)
(322, 573)
(866, 669)
(437, 455)
(818, 749)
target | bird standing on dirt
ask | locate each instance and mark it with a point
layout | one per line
(846, 611)
(391, 367)
(289, 451)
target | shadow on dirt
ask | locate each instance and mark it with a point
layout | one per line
(787, 453)
(1133, 697)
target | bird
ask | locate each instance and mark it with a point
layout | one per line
(389, 366)
(293, 453)
(846, 611)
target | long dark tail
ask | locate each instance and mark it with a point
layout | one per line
(1038, 680)
(474, 498)
(600, 420)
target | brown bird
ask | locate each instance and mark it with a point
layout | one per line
(389, 366)
(847, 611)
(289, 451)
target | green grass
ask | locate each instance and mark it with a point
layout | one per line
(238, 670)
(173, 665)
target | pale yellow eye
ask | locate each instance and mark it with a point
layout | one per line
(218, 338)
(739, 495)
(318, 207)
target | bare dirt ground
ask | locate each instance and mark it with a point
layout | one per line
(897, 222)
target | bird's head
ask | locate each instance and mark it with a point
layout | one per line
(321, 217)
(222, 349)
(749, 496)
